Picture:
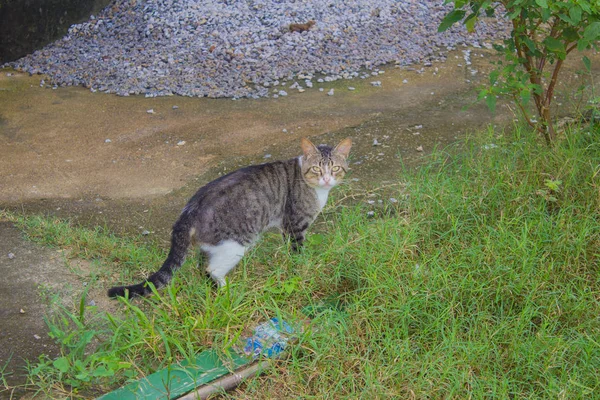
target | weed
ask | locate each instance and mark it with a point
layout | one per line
(481, 282)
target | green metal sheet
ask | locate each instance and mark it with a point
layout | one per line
(178, 379)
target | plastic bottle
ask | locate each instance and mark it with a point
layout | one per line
(270, 339)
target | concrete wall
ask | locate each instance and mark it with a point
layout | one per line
(28, 25)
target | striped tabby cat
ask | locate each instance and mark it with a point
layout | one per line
(226, 216)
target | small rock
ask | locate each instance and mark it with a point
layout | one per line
(181, 143)
(376, 83)
(282, 93)
(371, 214)
(330, 93)
(284, 130)
(489, 146)
(405, 81)
(107, 141)
(37, 337)
(321, 89)
(267, 156)
(175, 107)
(145, 232)
(420, 148)
(11, 256)
(21, 311)
(351, 88)
(371, 201)
(376, 143)
(91, 303)
(393, 200)
(150, 111)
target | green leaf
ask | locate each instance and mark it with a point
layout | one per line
(83, 376)
(482, 94)
(494, 76)
(587, 63)
(490, 100)
(575, 14)
(453, 17)
(585, 7)
(542, 3)
(552, 184)
(62, 364)
(546, 14)
(582, 44)
(515, 13)
(525, 97)
(316, 238)
(470, 22)
(530, 43)
(80, 365)
(570, 34)
(592, 31)
(101, 371)
(555, 46)
(566, 18)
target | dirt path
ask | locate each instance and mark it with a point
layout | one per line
(55, 141)
(102, 159)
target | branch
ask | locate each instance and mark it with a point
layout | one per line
(553, 81)
(524, 112)
(528, 63)
(542, 62)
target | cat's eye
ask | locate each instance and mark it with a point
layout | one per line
(336, 168)
(316, 170)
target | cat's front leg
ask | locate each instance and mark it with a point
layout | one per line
(298, 241)
(296, 238)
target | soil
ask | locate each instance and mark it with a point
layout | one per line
(100, 159)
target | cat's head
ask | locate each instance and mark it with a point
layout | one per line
(322, 166)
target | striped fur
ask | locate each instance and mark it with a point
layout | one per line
(228, 215)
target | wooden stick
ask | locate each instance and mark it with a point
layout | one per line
(226, 383)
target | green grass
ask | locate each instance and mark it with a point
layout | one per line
(483, 281)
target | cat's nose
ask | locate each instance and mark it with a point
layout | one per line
(326, 178)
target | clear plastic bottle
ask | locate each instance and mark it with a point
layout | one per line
(270, 339)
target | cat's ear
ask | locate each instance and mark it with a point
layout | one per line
(343, 148)
(308, 147)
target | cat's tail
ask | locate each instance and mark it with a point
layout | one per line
(180, 241)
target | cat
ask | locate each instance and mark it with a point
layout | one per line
(227, 215)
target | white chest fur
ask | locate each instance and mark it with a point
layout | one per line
(322, 197)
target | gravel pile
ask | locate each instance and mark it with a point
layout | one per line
(244, 48)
